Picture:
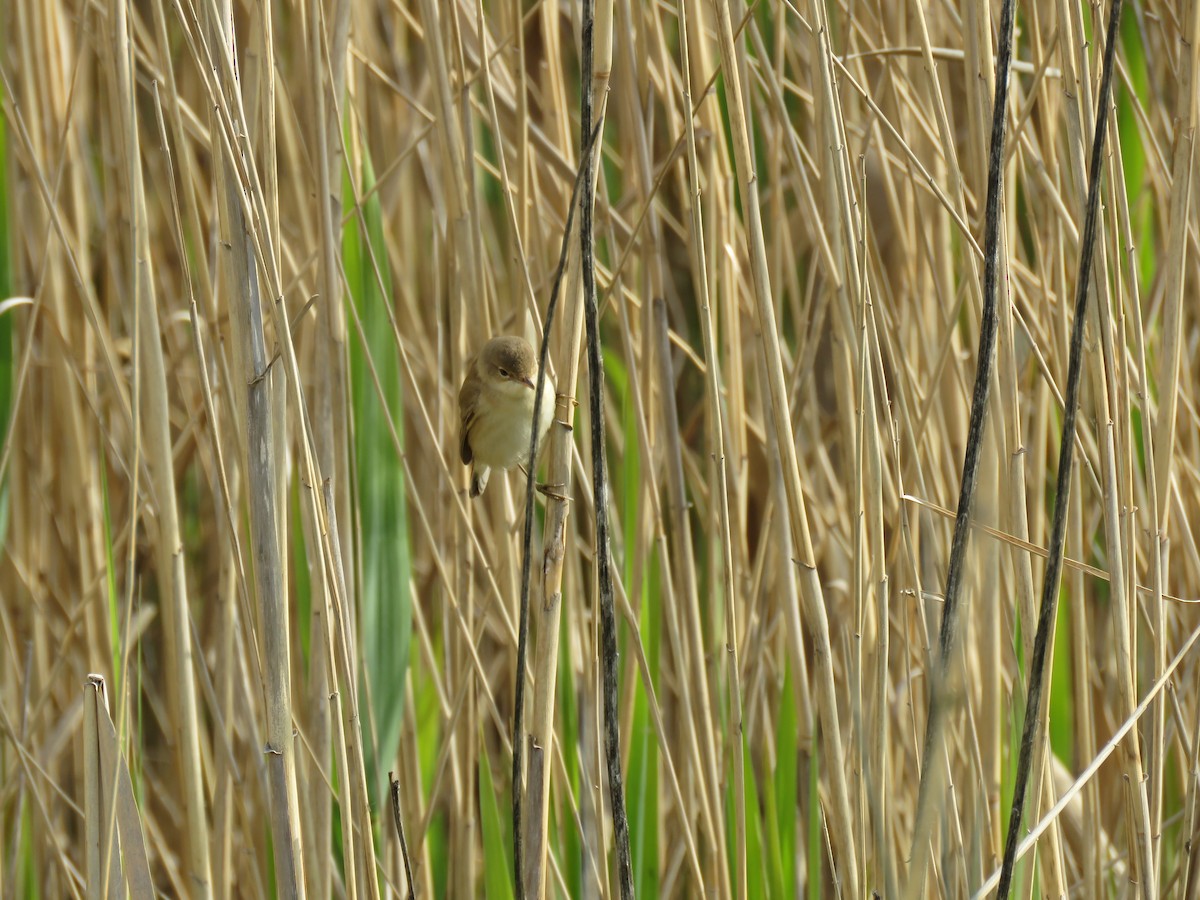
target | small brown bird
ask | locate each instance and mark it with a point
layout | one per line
(495, 408)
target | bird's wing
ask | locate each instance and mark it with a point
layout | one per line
(468, 402)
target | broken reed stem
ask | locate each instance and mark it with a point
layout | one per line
(399, 823)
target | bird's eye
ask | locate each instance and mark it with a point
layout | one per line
(504, 373)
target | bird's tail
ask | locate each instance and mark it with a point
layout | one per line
(479, 479)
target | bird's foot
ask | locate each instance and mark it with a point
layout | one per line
(553, 492)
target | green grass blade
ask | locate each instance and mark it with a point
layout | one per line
(386, 611)
(301, 583)
(815, 844)
(497, 872)
(781, 801)
(110, 578)
(7, 362)
(642, 798)
(757, 875)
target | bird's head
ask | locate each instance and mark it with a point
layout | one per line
(507, 364)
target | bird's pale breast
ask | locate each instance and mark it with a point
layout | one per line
(500, 435)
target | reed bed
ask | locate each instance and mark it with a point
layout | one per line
(252, 628)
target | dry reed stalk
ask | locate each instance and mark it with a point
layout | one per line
(262, 389)
(684, 626)
(112, 813)
(101, 850)
(733, 56)
(531, 876)
(652, 494)
(1008, 436)
(720, 484)
(1162, 438)
(154, 420)
(1107, 401)
(1034, 734)
(547, 613)
(327, 61)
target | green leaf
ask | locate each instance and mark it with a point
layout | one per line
(814, 814)
(7, 361)
(386, 604)
(301, 583)
(497, 872)
(756, 877)
(642, 798)
(110, 577)
(428, 715)
(1061, 712)
(782, 801)
(1133, 149)
(566, 841)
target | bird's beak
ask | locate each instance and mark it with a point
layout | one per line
(529, 383)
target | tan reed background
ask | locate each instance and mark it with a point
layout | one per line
(248, 248)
